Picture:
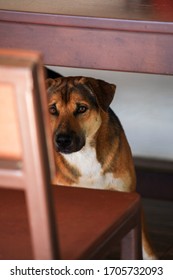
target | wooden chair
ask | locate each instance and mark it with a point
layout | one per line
(38, 220)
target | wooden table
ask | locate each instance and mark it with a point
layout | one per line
(78, 234)
(134, 35)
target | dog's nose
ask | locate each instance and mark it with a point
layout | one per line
(63, 140)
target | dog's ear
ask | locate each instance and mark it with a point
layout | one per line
(103, 91)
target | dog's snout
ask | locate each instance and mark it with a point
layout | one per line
(63, 140)
(68, 142)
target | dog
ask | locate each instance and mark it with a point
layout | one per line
(90, 145)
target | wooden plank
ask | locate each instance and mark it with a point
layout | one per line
(140, 10)
(112, 35)
(93, 48)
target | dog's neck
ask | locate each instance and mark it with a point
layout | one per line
(91, 171)
(84, 159)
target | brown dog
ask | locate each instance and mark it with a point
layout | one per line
(91, 149)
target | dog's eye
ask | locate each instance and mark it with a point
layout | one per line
(81, 109)
(53, 110)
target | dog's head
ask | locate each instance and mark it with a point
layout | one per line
(75, 106)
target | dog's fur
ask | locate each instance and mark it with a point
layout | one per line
(91, 149)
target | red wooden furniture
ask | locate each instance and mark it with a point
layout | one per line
(23, 164)
(38, 220)
(135, 36)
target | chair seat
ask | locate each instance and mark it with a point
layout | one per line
(82, 234)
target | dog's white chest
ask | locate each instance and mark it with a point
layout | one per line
(91, 170)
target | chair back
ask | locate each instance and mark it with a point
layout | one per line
(25, 162)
